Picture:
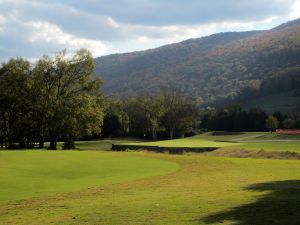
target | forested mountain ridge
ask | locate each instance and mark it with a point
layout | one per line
(224, 66)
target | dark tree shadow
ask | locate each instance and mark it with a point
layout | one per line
(281, 206)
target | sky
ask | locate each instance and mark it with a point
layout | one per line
(33, 28)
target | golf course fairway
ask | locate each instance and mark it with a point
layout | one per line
(138, 188)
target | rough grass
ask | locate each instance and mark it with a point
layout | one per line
(205, 190)
(255, 154)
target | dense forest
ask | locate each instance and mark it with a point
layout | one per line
(222, 68)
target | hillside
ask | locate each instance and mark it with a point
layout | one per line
(215, 69)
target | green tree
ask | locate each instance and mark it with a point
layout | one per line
(272, 123)
(180, 114)
(15, 104)
(153, 110)
(71, 102)
(116, 120)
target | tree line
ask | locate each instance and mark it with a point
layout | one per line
(165, 116)
(160, 117)
(237, 119)
(59, 99)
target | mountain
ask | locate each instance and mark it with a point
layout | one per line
(224, 67)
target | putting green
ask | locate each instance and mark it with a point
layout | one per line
(26, 174)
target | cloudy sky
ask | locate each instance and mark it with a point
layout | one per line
(32, 28)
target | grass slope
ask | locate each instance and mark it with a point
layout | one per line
(25, 174)
(206, 190)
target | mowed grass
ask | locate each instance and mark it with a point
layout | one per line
(196, 141)
(100, 187)
(246, 141)
(26, 174)
(205, 190)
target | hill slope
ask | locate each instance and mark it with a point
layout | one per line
(225, 66)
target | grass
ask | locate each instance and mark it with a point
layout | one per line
(26, 174)
(103, 144)
(205, 190)
(197, 141)
(246, 141)
(101, 187)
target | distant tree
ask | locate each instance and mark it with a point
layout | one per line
(180, 114)
(116, 121)
(289, 123)
(137, 122)
(233, 118)
(153, 110)
(280, 117)
(257, 120)
(272, 123)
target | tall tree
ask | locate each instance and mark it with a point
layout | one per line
(72, 103)
(153, 109)
(15, 85)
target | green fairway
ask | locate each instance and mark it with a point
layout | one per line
(206, 190)
(196, 141)
(101, 187)
(25, 174)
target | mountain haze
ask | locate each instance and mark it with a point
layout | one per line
(217, 68)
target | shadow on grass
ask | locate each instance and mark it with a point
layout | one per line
(280, 206)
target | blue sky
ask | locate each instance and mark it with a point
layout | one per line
(32, 28)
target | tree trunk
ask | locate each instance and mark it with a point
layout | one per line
(41, 141)
(69, 144)
(41, 144)
(172, 131)
(22, 144)
(2, 142)
(5, 143)
(53, 144)
(154, 134)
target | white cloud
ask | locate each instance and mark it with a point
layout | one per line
(112, 22)
(50, 33)
(31, 28)
(295, 14)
